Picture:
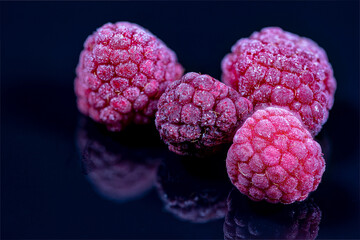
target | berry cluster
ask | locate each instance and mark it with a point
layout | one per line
(291, 85)
(126, 75)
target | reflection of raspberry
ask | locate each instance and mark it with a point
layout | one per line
(122, 72)
(273, 157)
(274, 67)
(190, 197)
(198, 112)
(117, 170)
(249, 220)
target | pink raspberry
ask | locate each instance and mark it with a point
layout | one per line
(122, 72)
(198, 113)
(277, 68)
(274, 158)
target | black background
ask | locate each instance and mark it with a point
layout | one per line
(43, 191)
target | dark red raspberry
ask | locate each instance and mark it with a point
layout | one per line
(118, 170)
(277, 68)
(198, 113)
(250, 220)
(274, 158)
(191, 194)
(122, 72)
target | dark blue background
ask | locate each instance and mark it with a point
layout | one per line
(43, 191)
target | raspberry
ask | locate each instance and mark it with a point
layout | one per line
(274, 158)
(122, 72)
(117, 171)
(246, 220)
(189, 196)
(278, 68)
(198, 113)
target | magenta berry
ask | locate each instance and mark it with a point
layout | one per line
(198, 113)
(274, 158)
(122, 72)
(277, 68)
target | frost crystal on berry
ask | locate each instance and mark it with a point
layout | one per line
(198, 113)
(274, 158)
(277, 68)
(122, 72)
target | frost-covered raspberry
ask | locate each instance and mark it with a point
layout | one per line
(250, 220)
(277, 68)
(122, 72)
(118, 170)
(274, 158)
(198, 113)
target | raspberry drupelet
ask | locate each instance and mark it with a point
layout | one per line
(277, 68)
(198, 113)
(274, 158)
(122, 72)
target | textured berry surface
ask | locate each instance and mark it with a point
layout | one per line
(122, 72)
(197, 113)
(277, 68)
(117, 171)
(274, 158)
(246, 220)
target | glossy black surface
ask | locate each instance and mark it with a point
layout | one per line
(62, 174)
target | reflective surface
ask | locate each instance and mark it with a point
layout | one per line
(64, 176)
(114, 164)
(245, 219)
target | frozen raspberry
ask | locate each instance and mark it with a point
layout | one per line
(122, 72)
(249, 220)
(190, 194)
(198, 113)
(274, 158)
(118, 170)
(277, 68)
